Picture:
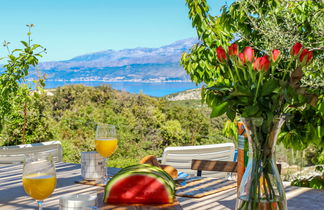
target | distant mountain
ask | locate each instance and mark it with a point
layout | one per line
(138, 64)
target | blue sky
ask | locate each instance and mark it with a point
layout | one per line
(68, 28)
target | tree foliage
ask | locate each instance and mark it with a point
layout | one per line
(264, 25)
(13, 87)
(145, 125)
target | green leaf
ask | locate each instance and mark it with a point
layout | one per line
(24, 43)
(219, 110)
(220, 88)
(231, 114)
(16, 50)
(321, 106)
(250, 111)
(268, 87)
(240, 91)
(214, 100)
(35, 46)
(243, 100)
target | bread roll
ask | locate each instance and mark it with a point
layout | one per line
(150, 159)
(170, 170)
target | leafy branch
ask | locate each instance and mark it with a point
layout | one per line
(13, 85)
(264, 25)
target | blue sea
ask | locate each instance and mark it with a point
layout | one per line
(158, 89)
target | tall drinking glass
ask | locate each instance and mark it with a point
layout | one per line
(39, 177)
(106, 142)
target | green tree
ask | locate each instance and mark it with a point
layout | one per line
(14, 90)
(145, 125)
(35, 119)
(265, 25)
(172, 132)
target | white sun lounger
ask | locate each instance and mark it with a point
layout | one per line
(181, 157)
(16, 154)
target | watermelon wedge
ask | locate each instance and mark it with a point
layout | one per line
(151, 169)
(140, 184)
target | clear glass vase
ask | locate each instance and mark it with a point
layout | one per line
(261, 187)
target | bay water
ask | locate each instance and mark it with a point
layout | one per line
(156, 89)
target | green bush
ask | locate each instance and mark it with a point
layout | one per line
(314, 155)
(145, 125)
(316, 182)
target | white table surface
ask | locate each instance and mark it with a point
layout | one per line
(12, 195)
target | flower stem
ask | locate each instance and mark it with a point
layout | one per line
(288, 67)
(244, 73)
(250, 69)
(230, 71)
(238, 75)
(258, 86)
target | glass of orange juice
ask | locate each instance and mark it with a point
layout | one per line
(106, 142)
(39, 177)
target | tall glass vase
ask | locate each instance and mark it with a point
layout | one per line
(261, 187)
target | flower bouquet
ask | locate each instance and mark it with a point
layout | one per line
(261, 90)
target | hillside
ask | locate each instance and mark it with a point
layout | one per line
(192, 94)
(146, 125)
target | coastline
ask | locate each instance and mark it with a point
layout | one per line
(154, 89)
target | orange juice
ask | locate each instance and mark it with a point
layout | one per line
(39, 186)
(106, 147)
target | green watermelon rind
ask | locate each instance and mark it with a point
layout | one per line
(115, 179)
(142, 166)
(150, 169)
(146, 168)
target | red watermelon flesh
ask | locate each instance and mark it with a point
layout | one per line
(139, 189)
